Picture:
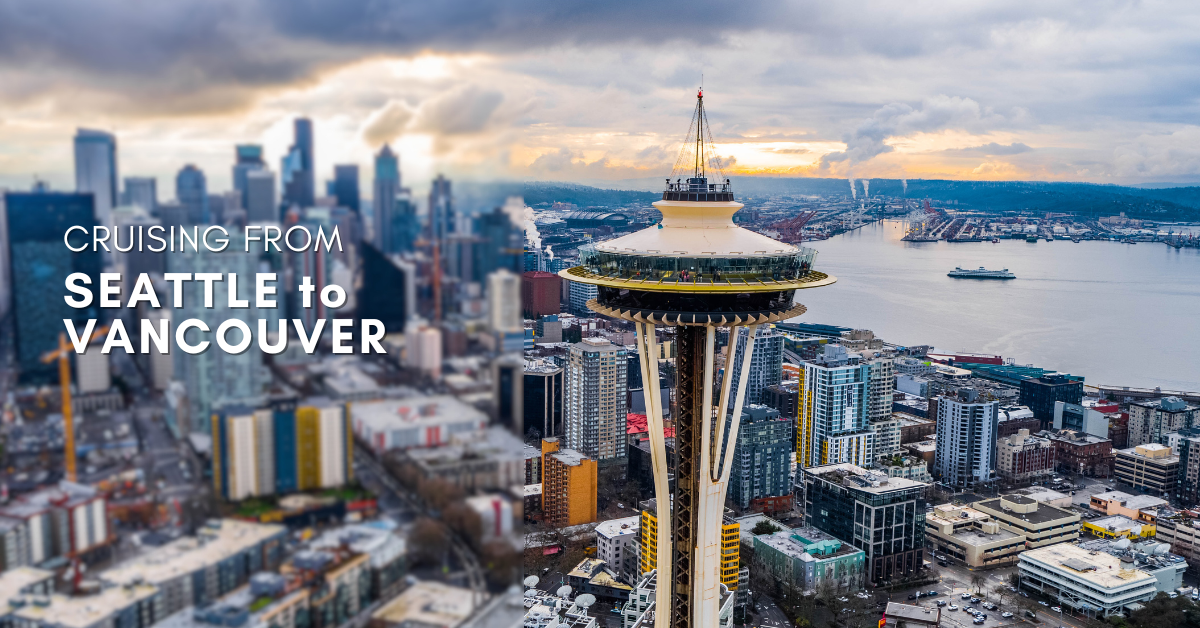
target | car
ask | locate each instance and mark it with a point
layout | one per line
(982, 615)
(942, 563)
(1056, 609)
(1043, 603)
(970, 610)
(941, 602)
(966, 596)
(952, 607)
(911, 596)
(1013, 589)
(843, 599)
(932, 593)
(977, 620)
(1024, 594)
(989, 606)
(974, 600)
(1006, 614)
(1031, 614)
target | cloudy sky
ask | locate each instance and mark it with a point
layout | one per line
(1096, 90)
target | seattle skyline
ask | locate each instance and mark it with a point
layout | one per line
(1059, 91)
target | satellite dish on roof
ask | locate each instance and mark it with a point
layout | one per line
(531, 581)
(563, 591)
(585, 600)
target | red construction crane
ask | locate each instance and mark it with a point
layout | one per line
(792, 229)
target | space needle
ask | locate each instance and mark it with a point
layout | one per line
(698, 271)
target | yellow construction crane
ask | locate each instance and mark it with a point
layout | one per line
(63, 355)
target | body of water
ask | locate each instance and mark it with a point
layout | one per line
(1119, 314)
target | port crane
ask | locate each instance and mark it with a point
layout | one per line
(791, 230)
(63, 355)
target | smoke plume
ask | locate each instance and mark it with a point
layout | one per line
(853, 190)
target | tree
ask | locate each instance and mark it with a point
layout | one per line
(977, 581)
(764, 527)
(428, 541)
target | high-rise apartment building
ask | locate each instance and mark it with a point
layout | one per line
(215, 378)
(96, 170)
(39, 261)
(966, 440)
(191, 190)
(648, 545)
(1040, 393)
(279, 449)
(389, 290)
(762, 456)
(568, 485)
(884, 517)
(766, 363)
(832, 426)
(580, 294)
(504, 302)
(596, 399)
(1021, 458)
(142, 192)
(881, 383)
(345, 186)
(1152, 419)
(541, 294)
(297, 168)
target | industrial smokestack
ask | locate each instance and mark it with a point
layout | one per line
(904, 186)
(866, 188)
(853, 190)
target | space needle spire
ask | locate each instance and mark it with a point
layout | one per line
(697, 271)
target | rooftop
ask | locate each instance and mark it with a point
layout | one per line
(909, 612)
(1152, 454)
(215, 542)
(428, 603)
(14, 581)
(1098, 569)
(86, 611)
(861, 479)
(619, 527)
(1040, 494)
(1118, 523)
(392, 414)
(1039, 514)
(1132, 502)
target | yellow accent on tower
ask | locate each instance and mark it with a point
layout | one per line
(308, 448)
(730, 548)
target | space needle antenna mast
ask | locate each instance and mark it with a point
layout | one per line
(697, 271)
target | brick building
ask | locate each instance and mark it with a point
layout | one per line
(1022, 458)
(1077, 452)
(541, 294)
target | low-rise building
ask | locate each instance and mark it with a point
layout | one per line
(1151, 419)
(914, 428)
(594, 576)
(1095, 583)
(415, 422)
(1151, 556)
(907, 467)
(972, 537)
(1078, 452)
(643, 598)
(807, 559)
(133, 606)
(1118, 527)
(617, 545)
(1140, 507)
(493, 459)
(1040, 524)
(1043, 495)
(911, 616)
(194, 571)
(426, 603)
(1182, 534)
(1021, 458)
(1151, 467)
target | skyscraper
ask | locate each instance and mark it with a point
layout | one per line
(96, 170)
(345, 186)
(832, 426)
(36, 224)
(498, 244)
(214, 379)
(260, 197)
(966, 440)
(766, 363)
(596, 370)
(142, 192)
(441, 209)
(248, 159)
(191, 190)
(395, 214)
(762, 456)
(504, 302)
(388, 292)
(297, 170)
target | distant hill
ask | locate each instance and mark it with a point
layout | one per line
(1082, 199)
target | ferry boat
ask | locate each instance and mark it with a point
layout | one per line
(995, 240)
(981, 273)
(1031, 238)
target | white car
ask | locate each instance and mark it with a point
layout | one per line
(977, 620)
(1056, 609)
(953, 607)
(1006, 614)
(966, 596)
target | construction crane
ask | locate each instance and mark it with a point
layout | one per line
(792, 229)
(63, 355)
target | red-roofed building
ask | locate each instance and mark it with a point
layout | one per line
(637, 427)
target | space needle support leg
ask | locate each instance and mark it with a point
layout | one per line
(648, 358)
